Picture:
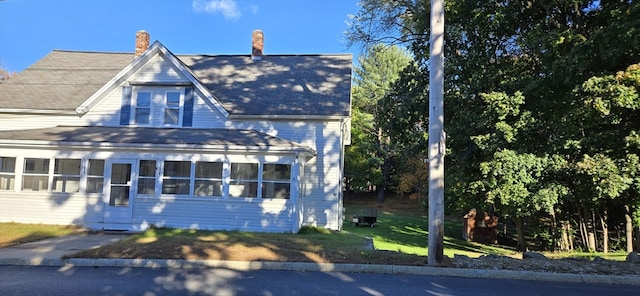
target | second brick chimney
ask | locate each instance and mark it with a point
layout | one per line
(257, 45)
(142, 42)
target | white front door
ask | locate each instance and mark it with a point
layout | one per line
(120, 191)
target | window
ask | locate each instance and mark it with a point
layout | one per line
(7, 173)
(172, 108)
(36, 174)
(276, 181)
(244, 180)
(142, 110)
(95, 176)
(66, 175)
(147, 177)
(177, 177)
(208, 179)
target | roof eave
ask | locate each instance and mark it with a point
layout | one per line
(155, 147)
(289, 117)
(37, 111)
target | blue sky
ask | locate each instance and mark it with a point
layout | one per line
(30, 29)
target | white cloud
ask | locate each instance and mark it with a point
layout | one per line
(228, 8)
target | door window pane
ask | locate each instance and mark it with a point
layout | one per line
(120, 185)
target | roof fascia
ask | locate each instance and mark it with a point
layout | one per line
(289, 117)
(38, 111)
(8, 143)
(138, 62)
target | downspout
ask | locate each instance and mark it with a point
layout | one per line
(341, 209)
(296, 209)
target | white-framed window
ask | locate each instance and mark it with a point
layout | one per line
(142, 107)
(208, 178)
(7, 173)
(173, 102)
(157, 106)
(176, 178)
(276, 181)
(95, 176)
(244, 180)
(66, 175)
(147, 177)
(35, 174)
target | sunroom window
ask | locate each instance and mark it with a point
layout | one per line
(276, 181)
(176, 178)
(35, 176)
(7, 173)
(147, 177)
(208, 179)
(95, 176)
(244, 180)
(66, 175)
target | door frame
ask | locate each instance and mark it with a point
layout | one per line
(119, 214)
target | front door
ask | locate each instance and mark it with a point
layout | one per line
(118, 208)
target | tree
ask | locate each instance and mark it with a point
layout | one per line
(369, 159)
(553, 57)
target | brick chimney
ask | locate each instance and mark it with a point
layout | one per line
(257, 45)
(142, 42)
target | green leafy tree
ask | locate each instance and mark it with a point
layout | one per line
(369, 159)
(559, 60)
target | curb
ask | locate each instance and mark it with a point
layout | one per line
(331, 267)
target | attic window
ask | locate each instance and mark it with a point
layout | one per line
(161, 106)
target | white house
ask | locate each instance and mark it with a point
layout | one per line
(130, 140)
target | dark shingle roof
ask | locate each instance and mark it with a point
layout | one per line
(118, 136)
(295, 85)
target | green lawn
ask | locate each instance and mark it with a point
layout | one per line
(15, 233)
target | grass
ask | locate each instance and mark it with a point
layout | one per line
(15, 233)
(400, 233)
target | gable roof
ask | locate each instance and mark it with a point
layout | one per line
(277, 85)
(140, 137)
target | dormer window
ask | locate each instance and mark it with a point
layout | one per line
(142, 105)
(172, 107)
(160, 106)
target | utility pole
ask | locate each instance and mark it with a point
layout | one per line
(437, 137)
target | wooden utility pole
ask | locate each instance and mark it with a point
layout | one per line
(437, 137)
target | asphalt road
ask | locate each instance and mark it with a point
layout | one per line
(41, 280)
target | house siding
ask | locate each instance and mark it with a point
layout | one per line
(215, 213)
(319, 202)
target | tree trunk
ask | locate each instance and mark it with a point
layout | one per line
(380, 190)
(554, 231)
(583, 231)
(522, 243)
(590, 230)
(605, 232)
(628, 228)
(564, 235)
(638, 239)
